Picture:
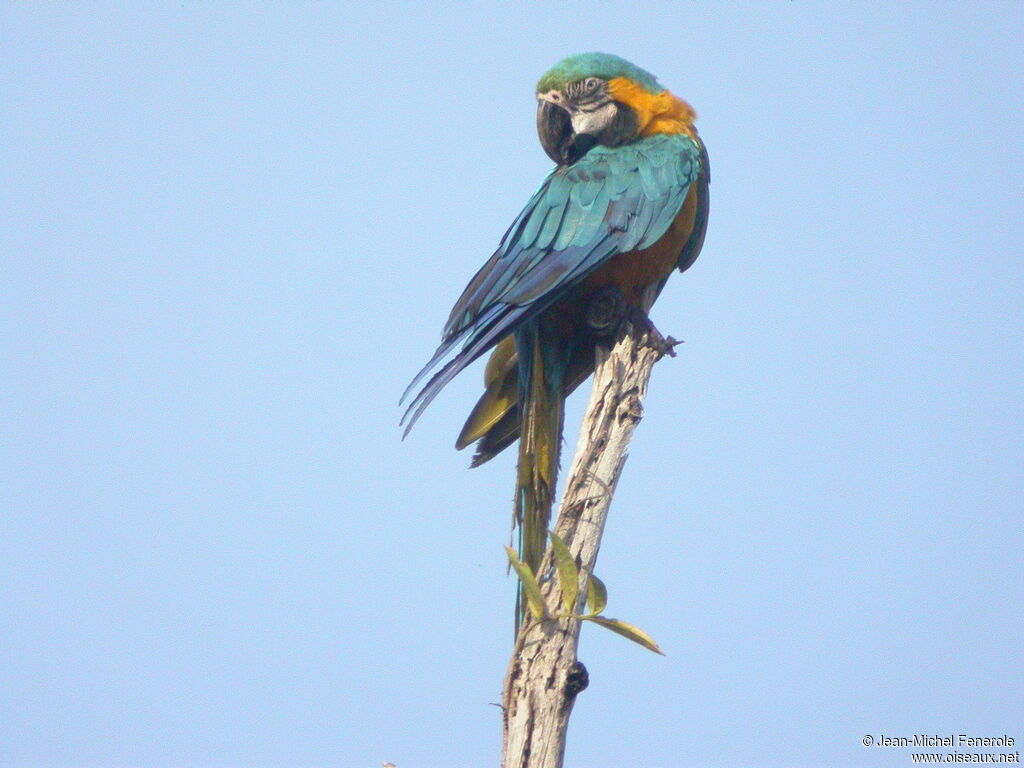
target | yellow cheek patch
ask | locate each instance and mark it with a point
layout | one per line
(656, 112)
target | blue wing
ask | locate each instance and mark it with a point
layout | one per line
(611, 201)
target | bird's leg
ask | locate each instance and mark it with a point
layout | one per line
(666, 345)
(606, 309)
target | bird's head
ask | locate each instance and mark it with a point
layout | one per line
(597, 98)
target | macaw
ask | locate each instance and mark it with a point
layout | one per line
(626, 204)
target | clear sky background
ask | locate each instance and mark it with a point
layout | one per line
(231, 233)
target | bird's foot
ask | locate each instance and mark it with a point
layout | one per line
(664, 345)
(608, 309)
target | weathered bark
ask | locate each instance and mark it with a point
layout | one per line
(544, 675)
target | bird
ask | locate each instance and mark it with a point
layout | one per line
(624, 207)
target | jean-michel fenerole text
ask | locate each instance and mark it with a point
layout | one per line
(953, 740)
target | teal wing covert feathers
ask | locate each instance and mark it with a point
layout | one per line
(611, 201)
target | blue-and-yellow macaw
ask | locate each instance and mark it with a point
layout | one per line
(625, 206)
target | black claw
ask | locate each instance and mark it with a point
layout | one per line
(667, 346)
(662, 344)
(607, 310)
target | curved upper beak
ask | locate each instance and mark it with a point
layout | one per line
(554, 127)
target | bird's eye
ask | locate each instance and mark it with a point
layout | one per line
(590, 84)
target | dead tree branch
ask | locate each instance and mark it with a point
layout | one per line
(544, 674)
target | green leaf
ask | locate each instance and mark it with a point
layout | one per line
(635, 634)
(531, 589)
(597, 595)
(568, 573)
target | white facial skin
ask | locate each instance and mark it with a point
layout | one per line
(590, 107)
(592, 119)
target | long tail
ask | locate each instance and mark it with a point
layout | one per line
(541, 409)
(494, 423)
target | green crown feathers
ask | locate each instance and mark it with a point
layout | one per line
(603, 65)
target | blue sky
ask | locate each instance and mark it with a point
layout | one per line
(230, 234)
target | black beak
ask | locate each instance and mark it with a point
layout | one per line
(554, 129)
(565, 147)
(556, 135)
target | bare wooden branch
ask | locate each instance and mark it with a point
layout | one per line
(544, 674)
